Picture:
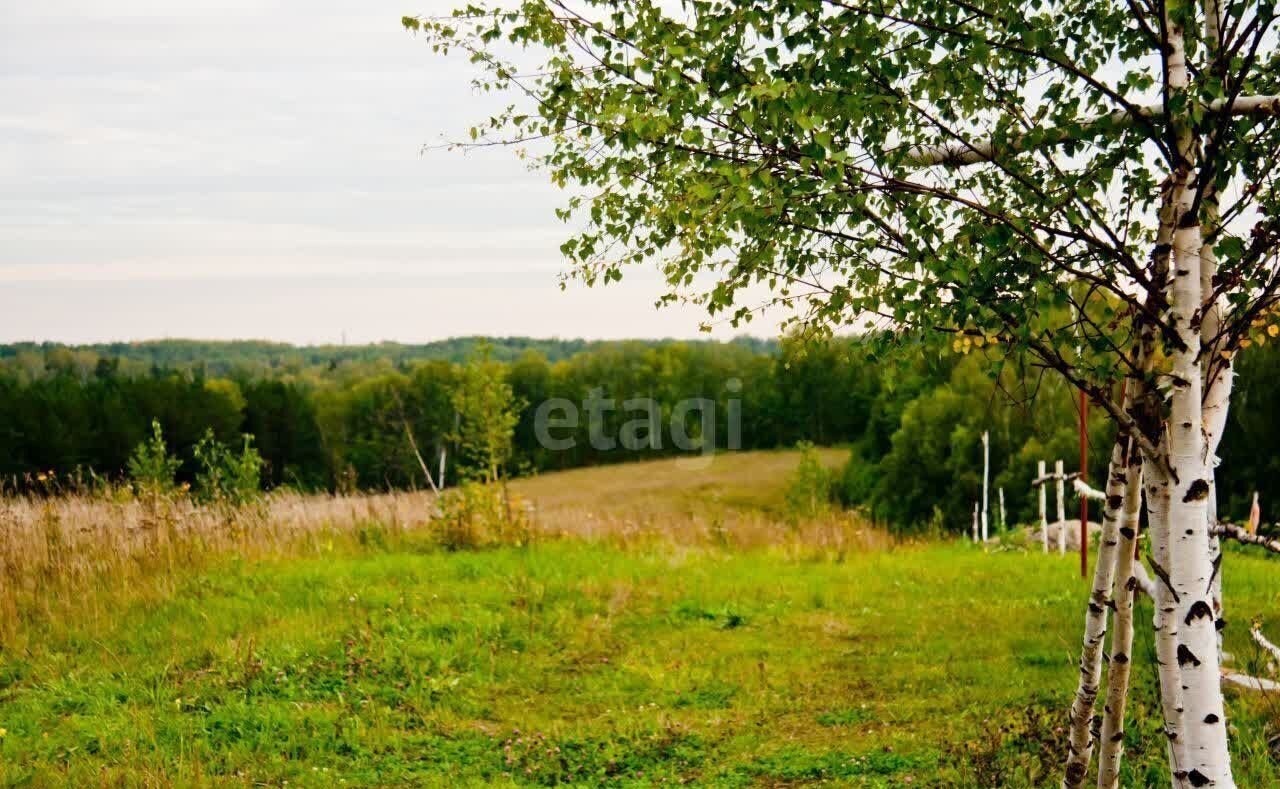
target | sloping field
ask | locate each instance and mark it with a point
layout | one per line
(625, 660)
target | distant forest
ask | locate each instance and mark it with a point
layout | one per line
(335, 417)
(260, 357)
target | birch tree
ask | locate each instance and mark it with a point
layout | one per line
(1088, 184)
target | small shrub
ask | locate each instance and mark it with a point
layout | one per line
(810, 490)
(228, 477)
(857, 481)
(151, 468)
(475, 515)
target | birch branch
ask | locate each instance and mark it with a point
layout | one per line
(1238, 534)
(1251, 683)
(1145, 584)
(1085, 492)
(960, 152)
(1261, 640)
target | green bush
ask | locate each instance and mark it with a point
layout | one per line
(856, 483)
(151, 468)
(225, 476)
(811, 488)
(475, 515)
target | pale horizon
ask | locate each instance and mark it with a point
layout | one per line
(235, 170)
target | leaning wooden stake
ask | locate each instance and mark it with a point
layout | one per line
(1062, 507)
(986, 475)
(1044, 495)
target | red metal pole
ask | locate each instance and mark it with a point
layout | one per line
(1084, 478)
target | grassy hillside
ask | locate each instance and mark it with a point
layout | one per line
(643, 656)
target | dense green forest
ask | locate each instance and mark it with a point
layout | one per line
(261, 357)
(342, 417)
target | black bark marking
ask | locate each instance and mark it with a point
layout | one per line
(1198, 778)
(1221, 624)
(1126, 533)
(1198, 491)
(1117, 737)
(1186, 656)
(1163, 576)
(1115, 502)
(1217, 565)
(1211, 718)
(1198, 609)
(1120, 657)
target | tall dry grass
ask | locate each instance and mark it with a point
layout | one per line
(54, 551)
(64, 551)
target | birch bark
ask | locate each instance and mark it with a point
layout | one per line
(1216, 366)
(1190, 570)
(1124, 592)
(1082, 727)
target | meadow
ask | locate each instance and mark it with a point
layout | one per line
(658, 624)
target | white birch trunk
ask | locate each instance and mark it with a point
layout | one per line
(1124, 593)
(1216, 366)
(1163, 619)
(1156, 482)
(1044, 495)
(1082, 732)
(1190, 569)
(1002, 524)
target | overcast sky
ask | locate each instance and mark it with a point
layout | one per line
(250, 168)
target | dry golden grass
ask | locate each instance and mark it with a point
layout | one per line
(51, 549)
(730, 500)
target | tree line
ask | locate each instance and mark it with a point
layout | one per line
(914, 427)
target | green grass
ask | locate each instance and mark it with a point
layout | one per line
(576, 663)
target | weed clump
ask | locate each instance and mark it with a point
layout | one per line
(476, 515)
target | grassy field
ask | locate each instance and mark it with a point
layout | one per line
(806, 653)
